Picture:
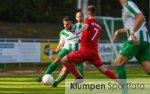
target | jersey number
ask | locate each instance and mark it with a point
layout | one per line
(96, 31)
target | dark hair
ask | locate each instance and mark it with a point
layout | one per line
(67, 18)
(92, 9)
(79, 10)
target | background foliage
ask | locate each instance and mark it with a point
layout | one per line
(43, 18)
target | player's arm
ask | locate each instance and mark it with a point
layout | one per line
(139, 18)
(59, 47)
(117, 32)
(137, 14)
(60, 44)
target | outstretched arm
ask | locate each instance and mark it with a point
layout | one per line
(59, 47)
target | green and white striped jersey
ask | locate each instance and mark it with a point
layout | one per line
(129, 11)
(79, 25)
(69, 39)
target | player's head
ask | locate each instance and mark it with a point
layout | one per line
(67, 22)
(122, 2)
(79, 15)
(91, 10)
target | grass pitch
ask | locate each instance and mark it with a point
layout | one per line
(26, 84)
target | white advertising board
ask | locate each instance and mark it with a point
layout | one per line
(20, 52)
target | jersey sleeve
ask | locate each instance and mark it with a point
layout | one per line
(133, 8)
(61, 39)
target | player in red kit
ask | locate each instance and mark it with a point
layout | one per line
(89, 47)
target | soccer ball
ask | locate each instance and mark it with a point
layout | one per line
(47, 79)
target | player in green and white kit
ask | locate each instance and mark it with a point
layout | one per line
(64, 71)
(79, 19)
(138, 43)
(68, 42)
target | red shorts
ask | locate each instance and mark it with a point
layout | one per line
(83, 55)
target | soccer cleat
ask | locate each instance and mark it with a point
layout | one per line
(39, 79)
(54, 85)
(78, 80)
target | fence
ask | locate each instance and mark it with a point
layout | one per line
(13, 50)
(107, 48)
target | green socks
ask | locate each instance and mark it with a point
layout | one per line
(52, 67)
(121, 72)
(80, 69)
(59, 79)
(122, 78)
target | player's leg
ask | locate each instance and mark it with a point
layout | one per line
(144, 57)
(53, 66)
(71, 68)
(109, 73)
(128, 50)
(146, 66)
(61, 76)
(77, 57)
(120, 61)
(80, 69)
(99, 65)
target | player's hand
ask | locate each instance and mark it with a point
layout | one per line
(54, 51)
(134, 39)
(115, 38)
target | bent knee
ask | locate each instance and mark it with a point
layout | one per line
(64, 59)
(117, 63)
(146, 66)
(120, 60)
(57, 60)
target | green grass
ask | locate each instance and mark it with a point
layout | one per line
(26, 84)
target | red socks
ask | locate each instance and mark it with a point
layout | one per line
(110, 74)
(72, 69)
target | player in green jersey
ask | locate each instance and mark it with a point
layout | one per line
(64, 71)
(138, 43)
(68, 42)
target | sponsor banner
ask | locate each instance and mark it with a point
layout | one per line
(107, 86)
(106, 52)
(45, 52)
(20, 52)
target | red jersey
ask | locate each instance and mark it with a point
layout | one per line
(91, 36)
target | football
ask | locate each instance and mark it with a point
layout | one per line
(47, 79)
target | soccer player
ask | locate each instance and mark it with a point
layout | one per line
(79, 24)
(64, 71)
(89, 47)
(138, 43)
(79, 19)
(68, 42)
